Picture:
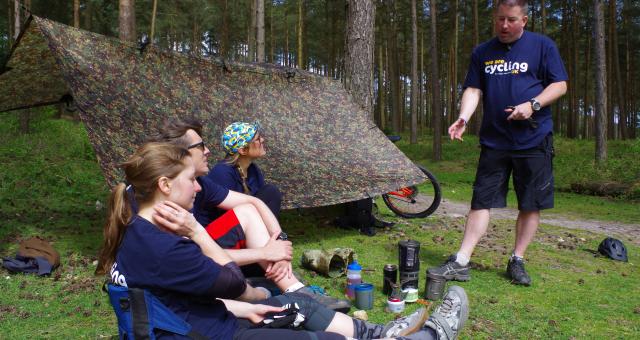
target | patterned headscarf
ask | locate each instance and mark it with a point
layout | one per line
(238, 135)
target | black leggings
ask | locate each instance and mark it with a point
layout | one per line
(317, 319)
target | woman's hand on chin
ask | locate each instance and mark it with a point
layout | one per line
(173, 218)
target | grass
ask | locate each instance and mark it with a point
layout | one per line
(50, 183)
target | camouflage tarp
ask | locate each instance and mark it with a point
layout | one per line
(322, 149)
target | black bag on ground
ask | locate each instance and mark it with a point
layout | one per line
(358, 215)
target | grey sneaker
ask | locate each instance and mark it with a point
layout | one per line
(406, 325)
(449, 318)
(451, 270)
(318, 294)
(517, 273)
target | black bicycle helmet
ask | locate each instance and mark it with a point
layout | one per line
(613, 248)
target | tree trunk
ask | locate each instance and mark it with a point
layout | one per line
(153, 20)
(300, 47)
(251, 31)
(381, 90)
(601, 83)
(271, 45)
(586, 127)
(627, 87)
(476, 120)
(413, 126)
(394, 75)
(358, 77)
(17, 20)
(435, 78)
(611, 127)
(622, 115)
(127, 20)
(76, 13)
(453, 96)
(260, 30)
(224, 41)
(286, 38)
(572, 128)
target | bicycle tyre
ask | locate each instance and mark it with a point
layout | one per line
(422, 204)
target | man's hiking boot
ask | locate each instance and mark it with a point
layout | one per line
(318, 294)
(406, 325)
(449, 318)
(517, 273)
(451, 270)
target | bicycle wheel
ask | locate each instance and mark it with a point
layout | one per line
(417, 200)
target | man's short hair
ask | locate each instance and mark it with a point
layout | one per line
(174, 131)
(524, 4)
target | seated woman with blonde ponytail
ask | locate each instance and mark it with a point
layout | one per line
(164, 250)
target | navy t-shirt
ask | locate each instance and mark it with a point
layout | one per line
(226, 175)
(176, 271)
(205, 206)
(512, 74)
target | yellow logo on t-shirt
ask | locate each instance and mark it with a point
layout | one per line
(502, 67)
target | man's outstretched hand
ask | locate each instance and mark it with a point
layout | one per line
(457, 129)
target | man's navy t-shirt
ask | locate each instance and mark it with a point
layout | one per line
(174, 269)
(226, 175)
(512, 74)
(205, 206)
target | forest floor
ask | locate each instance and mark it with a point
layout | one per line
(623, 231)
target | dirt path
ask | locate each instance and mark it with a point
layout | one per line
(626, 232)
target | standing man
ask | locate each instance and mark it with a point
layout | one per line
(518, 74)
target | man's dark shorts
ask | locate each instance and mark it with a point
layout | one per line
(532, 177)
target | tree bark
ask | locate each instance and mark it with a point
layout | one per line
(601, 83)
(435, 78)
(477, 119)
(586, 126)
(224, 39)
(394, 76)
(358, 77)
(611, 127)
(381, 89)
(153, 20)
(300, 47)
(627, 88)
(622, 115)
(76, 13)
(413, 126)
(127, 20)
(251, 31)
(453, 95)
(286, 60)
(260, 31)
(271, 45)
(17, 20)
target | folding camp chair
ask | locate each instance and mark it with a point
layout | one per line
(139, 313)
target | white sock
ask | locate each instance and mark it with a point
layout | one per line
(516, 256)
(294, 287)
(462, 259)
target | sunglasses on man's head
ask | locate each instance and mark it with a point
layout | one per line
(197, 145)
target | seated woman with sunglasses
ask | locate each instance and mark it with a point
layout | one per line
(164, 250)
(244, 143)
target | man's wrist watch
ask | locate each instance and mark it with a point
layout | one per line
(535, 104)
(283, 236)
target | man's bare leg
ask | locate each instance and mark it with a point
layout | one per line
(475, 227)
(526, 227)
